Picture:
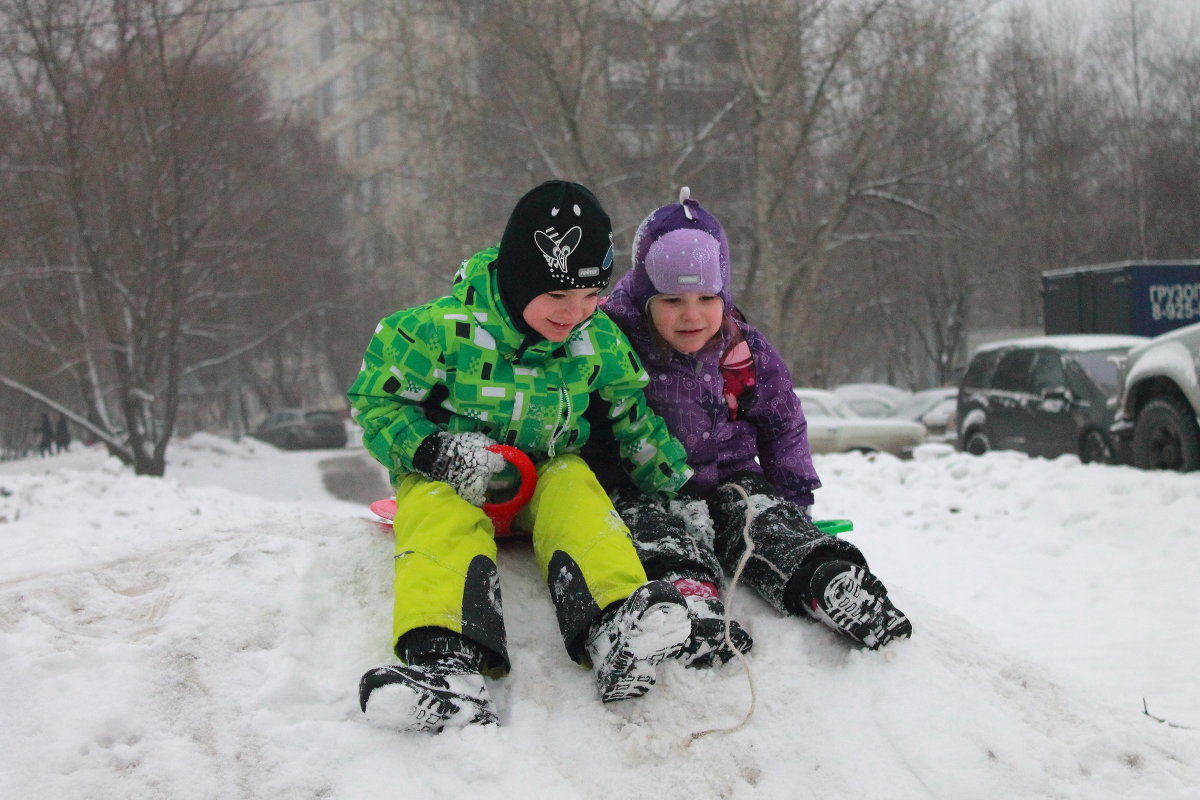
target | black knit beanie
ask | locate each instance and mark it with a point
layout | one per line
(558, 237)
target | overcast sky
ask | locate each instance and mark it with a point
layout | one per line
(1185, 9)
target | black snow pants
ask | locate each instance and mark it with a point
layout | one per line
(674, 542)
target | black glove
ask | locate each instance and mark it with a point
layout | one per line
(461, 460)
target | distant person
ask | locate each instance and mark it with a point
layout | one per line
(726, 393)
(62, 435)
(514, 355)
(47, 433)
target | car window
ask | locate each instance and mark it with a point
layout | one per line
(980, 369)
(941, 412)
(1048, 373)
(825, 405)
(1078, 381)
(1100, 365)
(840, 408)
(1012, 373)
(811, 406)
(321, 417)
(870, 408)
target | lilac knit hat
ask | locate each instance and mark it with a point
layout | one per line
(683, 248)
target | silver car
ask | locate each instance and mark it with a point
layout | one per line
(1156, 424)
(833, 427)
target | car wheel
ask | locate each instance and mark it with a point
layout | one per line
(1166, 436)
(976, 443)
(1094, 448)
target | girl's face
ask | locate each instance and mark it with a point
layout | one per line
(555, 314)
(687, 321)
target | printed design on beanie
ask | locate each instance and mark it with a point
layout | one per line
(592, 272)
(557, 251)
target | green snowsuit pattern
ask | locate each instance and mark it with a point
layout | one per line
(459, 364)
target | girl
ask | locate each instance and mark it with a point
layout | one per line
(726, 393)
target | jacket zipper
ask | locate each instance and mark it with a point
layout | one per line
(563, 421)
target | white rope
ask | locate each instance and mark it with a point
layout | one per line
(737, 576)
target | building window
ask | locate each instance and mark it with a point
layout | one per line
(363, 19)
(367, 75)
(326, 41)
(374, 192)
(336, 145)
(378, 251)
(369, 133)
(327, 98)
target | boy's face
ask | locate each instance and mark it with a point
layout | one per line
(555, 314)
(687, 321)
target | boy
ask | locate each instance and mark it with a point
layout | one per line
(513, 356)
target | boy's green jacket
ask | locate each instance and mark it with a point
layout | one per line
(458, 364)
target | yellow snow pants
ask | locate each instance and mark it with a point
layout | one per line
(440, 539)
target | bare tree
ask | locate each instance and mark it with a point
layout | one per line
(146, 168)
(1144, 62)
(840, 161)
(879, 180)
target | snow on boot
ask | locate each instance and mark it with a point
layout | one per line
(447, 692)
(628, 642)
(706, 646)
(851, 600)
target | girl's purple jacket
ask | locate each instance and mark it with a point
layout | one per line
(687, 391)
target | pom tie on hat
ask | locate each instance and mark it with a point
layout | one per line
(684, 194)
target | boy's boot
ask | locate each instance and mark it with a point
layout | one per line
(851, 600)
(706, 646)
(626, 642)
(436, 690)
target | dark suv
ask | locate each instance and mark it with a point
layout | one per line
(1045, 396)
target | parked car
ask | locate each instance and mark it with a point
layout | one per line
(1044, 396)
(936, 410)
(834, 427)
(300, 429)
(1156, 422)
(872, 399)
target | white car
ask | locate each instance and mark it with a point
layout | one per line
(1157, 424)
(833, 427)
(872, 399)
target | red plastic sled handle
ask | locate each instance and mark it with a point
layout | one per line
(502, 513)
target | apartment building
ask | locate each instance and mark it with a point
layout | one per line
(330, 61)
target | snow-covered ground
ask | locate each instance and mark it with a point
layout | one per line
(202, 636)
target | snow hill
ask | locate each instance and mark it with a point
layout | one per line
(202, 636)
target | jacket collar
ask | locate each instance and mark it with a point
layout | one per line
(475, 286)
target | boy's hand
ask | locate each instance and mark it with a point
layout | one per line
(461, 460)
